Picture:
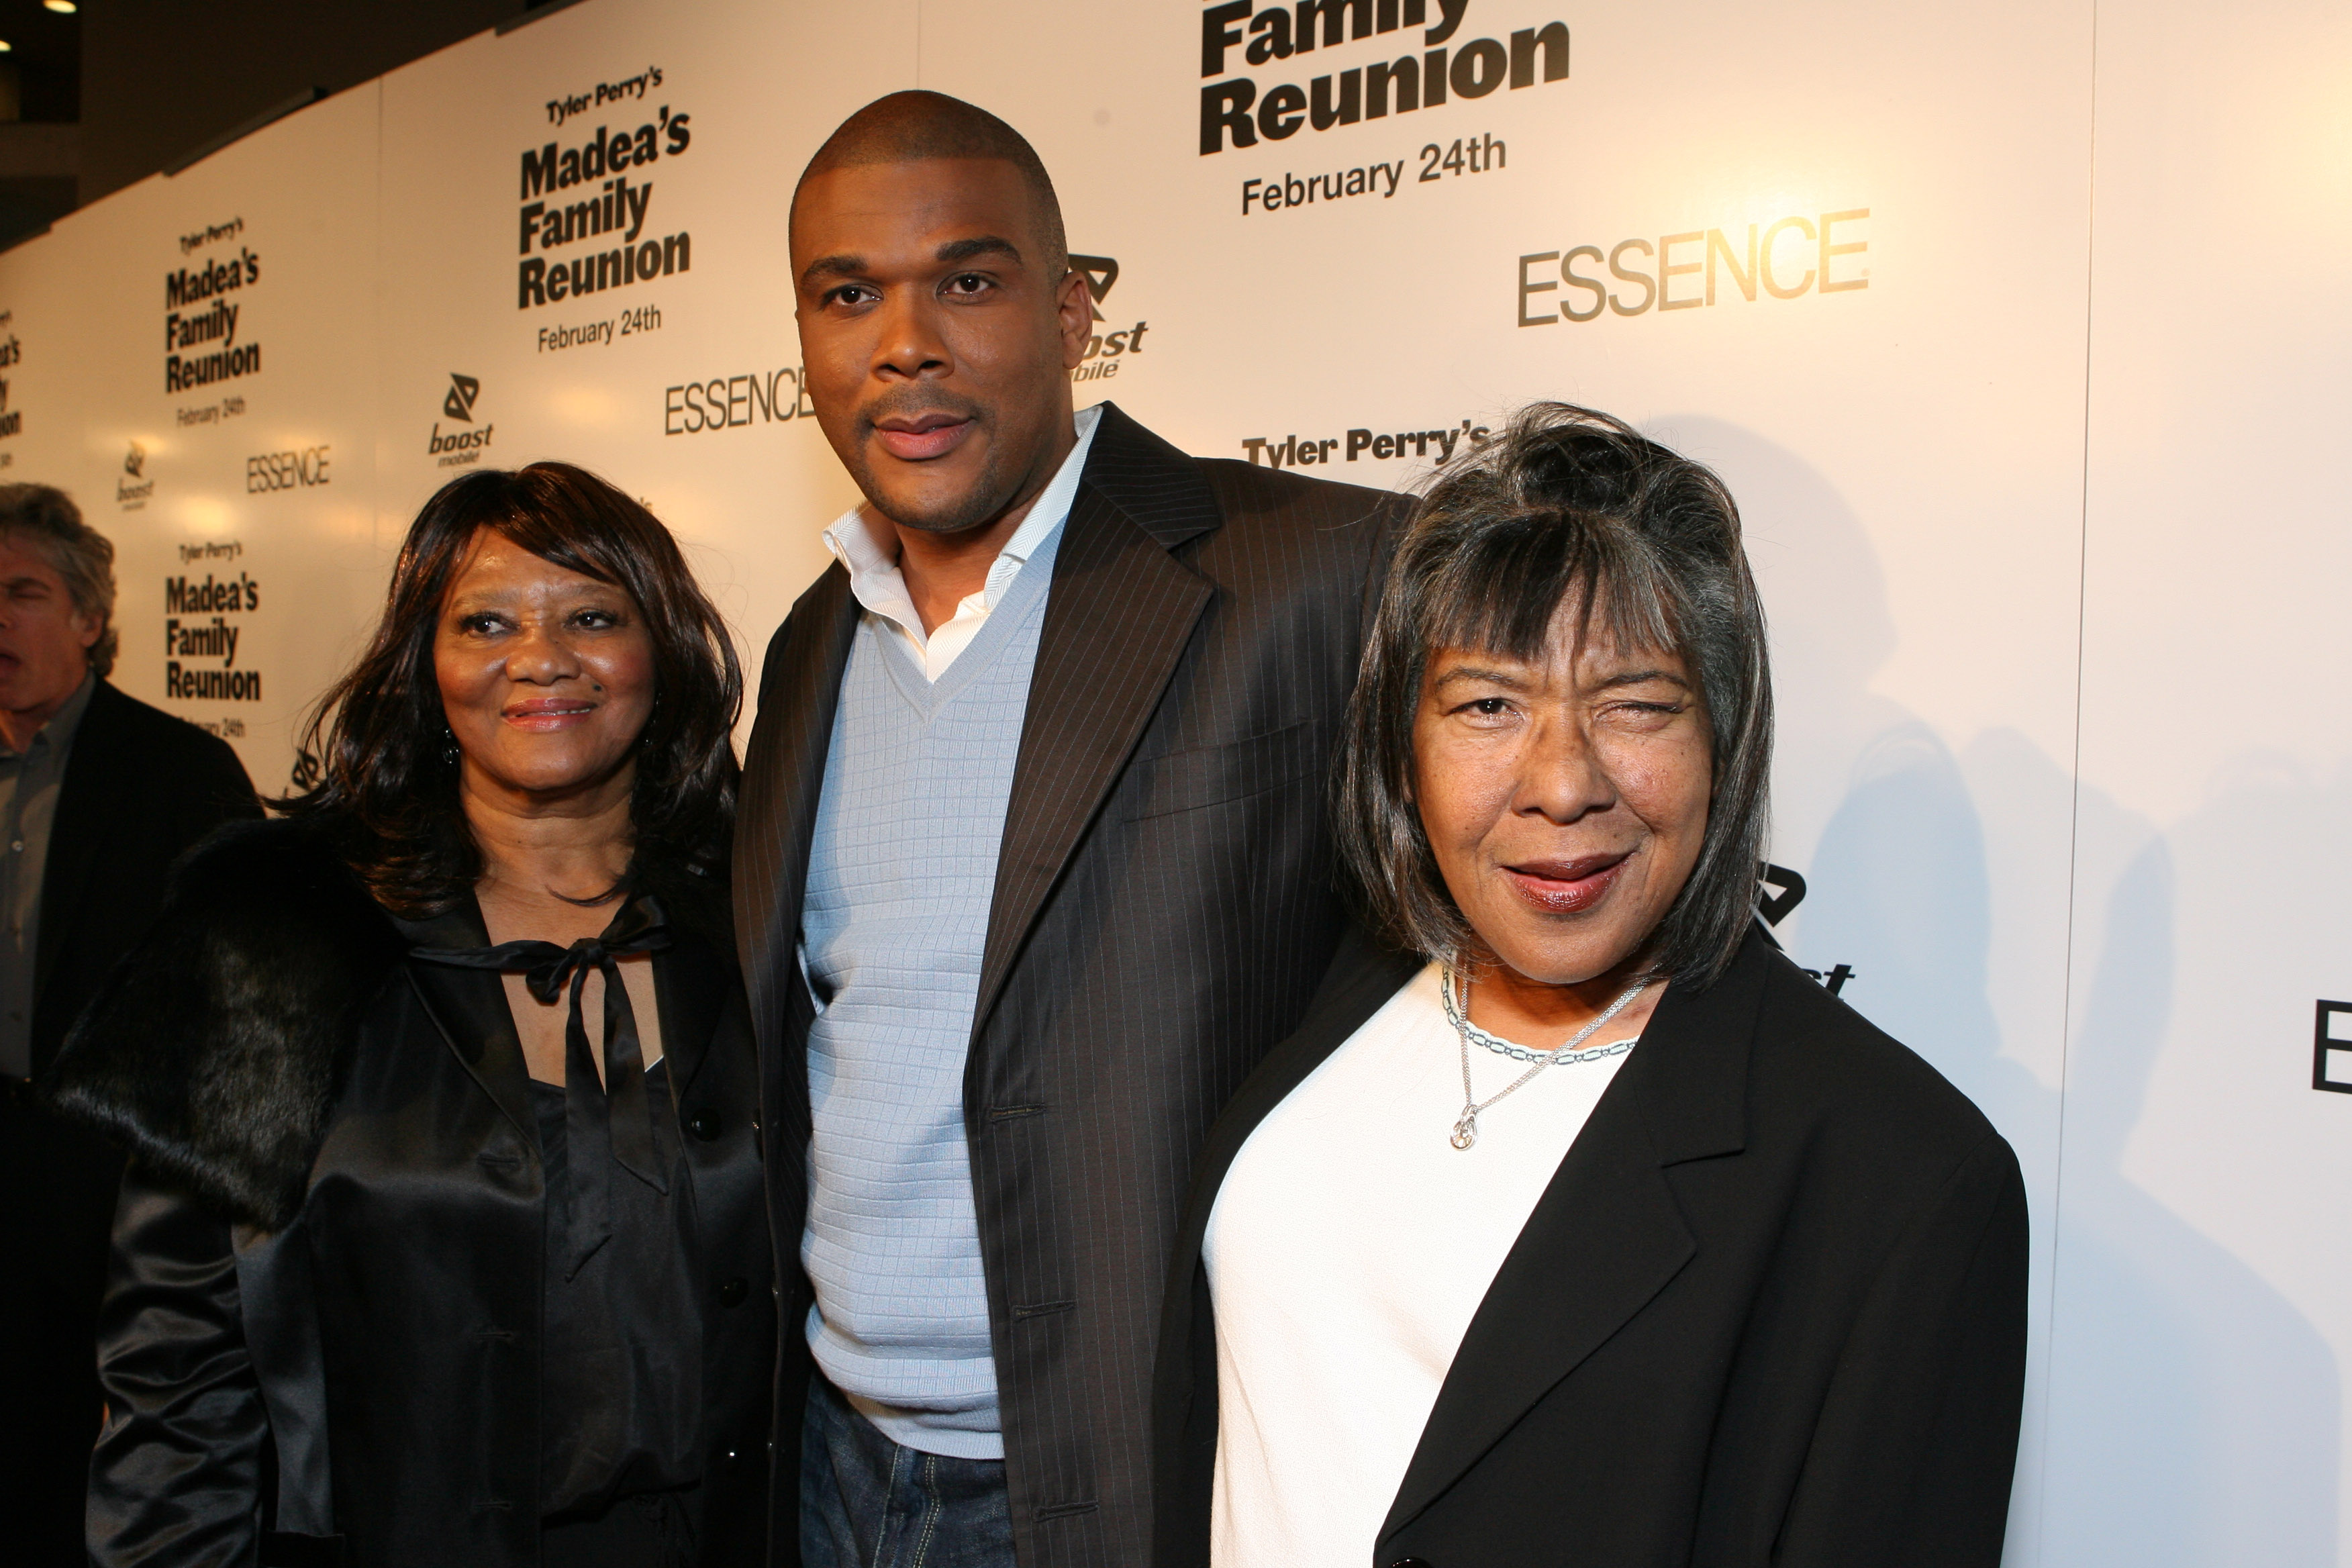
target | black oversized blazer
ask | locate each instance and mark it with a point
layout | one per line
(1163, 910)
(1770, 1308)
(321, 1345)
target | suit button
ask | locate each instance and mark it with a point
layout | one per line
(731, 1294)
(703, 1125)
(1411, 1562)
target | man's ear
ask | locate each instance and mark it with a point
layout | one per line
(1074, 307)
(88, 629)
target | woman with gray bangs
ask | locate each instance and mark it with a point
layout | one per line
(1575, 1225)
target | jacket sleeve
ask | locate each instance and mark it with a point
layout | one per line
(176, 1477)
(1913, 1453)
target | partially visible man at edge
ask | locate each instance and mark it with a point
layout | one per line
(98, 794)
(1031, 867)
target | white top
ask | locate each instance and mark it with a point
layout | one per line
(1350, 1248)
(875, 578)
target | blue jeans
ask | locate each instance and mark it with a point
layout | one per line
(869, 1503)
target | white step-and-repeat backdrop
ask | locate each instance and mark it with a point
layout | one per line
(2020, 331)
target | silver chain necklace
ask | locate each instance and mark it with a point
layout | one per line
(1465, 1130)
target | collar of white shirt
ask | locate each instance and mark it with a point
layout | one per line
(875, 578)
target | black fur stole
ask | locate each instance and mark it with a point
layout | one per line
(213, 1051)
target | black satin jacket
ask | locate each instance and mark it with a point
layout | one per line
(321, 1343)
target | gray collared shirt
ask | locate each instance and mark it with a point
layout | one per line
(29, 781)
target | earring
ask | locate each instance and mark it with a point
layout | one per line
(449, 753)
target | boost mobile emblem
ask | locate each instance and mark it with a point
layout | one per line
(459, 403)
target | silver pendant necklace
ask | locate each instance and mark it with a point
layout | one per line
(1465, 1130)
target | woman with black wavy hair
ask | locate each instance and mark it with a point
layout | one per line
(442, 1239)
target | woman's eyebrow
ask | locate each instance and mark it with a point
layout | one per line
(1640, 677)
(1517, 681)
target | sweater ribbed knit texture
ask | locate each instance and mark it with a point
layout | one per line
(902, 868)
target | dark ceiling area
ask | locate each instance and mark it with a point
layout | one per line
(107, 93)
(40, 74)
(40, 108)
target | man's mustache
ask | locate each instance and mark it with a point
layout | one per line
(913, 403)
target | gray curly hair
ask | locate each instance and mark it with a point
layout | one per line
(1569, 507)
(75, 552)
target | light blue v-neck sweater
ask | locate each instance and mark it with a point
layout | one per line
(902, 868)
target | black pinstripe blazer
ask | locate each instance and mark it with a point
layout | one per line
(1164, 910)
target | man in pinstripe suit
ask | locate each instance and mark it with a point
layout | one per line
(1031, 865)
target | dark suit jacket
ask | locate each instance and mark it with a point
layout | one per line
(139, 787)
(1770, 1310)
(1164, 907)
(321, 1341)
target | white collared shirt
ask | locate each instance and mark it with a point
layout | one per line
(875, 578)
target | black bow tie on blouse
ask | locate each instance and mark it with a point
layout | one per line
(605, 1123)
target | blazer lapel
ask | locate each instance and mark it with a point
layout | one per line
(782, 777)
(1606, 1237)
(1121, 614)
(468, 1006)
(89, 797)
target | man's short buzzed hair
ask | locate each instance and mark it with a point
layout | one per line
(905, 127)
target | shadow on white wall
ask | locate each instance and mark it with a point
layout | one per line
(2195, 1412)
